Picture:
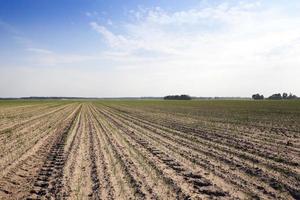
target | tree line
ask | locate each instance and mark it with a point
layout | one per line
(178, 97)
(276, 96)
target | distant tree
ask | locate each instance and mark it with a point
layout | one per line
(178, 97)
(257, 96)
(185, 97)
(275, 96)
(284, 95)
(292, 96)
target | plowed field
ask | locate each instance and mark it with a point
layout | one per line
(150, 150)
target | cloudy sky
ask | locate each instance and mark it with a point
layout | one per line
(121, 48)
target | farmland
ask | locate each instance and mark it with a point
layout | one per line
(150, 149)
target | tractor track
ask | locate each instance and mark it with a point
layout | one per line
(48, 182)
(109, 150)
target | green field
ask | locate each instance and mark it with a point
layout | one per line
(271, 112)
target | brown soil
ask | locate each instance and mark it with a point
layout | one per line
(92, 151)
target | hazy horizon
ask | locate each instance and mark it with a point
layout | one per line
(93, 48)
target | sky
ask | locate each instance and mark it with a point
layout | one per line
(117, 48)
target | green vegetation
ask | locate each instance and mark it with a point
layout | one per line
(235, 111)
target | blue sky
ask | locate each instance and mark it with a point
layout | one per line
(148, 48)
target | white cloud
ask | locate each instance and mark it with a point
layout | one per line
(91, 14)
(112, 39)
(243, 29)
(16, 34)
(238, 41)
(45, 57)
(88, 14)
(221, 50)
(8, 27)
(109, 22)
(37, 50)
